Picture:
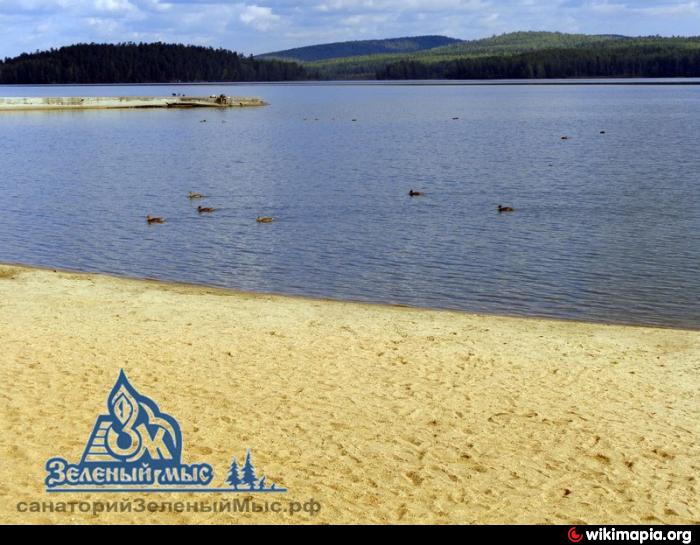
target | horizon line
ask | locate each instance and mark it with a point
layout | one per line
(494, 35)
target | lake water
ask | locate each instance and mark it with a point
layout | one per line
(607, 226)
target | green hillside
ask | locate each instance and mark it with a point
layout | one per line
(527, 47)
(360, 48)
(514, 56)
(521, 42)
(630, 60)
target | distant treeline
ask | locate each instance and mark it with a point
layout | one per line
(142, 63)
(511, 56)
(647, 61)
(361, 48)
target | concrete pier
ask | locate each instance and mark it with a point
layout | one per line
(106, 103)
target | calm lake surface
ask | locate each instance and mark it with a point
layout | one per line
(607, 226)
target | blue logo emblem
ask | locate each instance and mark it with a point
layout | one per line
(135, 431)
(138, 448)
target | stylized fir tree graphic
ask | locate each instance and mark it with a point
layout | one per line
(249, 476)
(245, 479)
(234, 476)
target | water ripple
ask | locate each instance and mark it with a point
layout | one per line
(606, 226)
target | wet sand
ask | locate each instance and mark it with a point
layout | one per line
(381, 414)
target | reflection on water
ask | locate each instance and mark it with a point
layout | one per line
(606, 226)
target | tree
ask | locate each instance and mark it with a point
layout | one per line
(142, 63)
(249, 476)
(234, 476)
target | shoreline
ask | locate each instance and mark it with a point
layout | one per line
(380, 413)
(679, 81)
(23, 104)
(312, 298)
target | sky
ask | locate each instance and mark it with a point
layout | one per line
(259, 26)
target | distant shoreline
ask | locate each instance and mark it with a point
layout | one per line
(16, 104)
(223, 290)
(404, 83)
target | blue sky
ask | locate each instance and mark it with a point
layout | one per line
(257, 26)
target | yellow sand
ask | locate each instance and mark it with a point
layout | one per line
(381, 414)
(17, 104)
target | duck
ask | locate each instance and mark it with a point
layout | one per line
(205, 209)
(414, 193)
(505, 208)
(264, 219)
(193, 195)
(565, 138)
(154, 219)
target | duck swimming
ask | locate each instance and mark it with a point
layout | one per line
(264, 219)
(193, 195)
(414, 193)
(505, 208)
(205, 209)
(154, 219)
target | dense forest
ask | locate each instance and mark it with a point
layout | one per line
(510, 56)
(361, 48)
(525, 55)
(143, 63)
(649, 61)
(521, 42)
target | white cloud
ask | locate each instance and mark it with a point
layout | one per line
(257, 26)
(259, 17)
(395, 6)
(114, 6)
(364, 20)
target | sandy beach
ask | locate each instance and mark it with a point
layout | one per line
(381, 414)
(19, 104)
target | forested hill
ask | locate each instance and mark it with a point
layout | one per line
(521, 42)
(639, 58)
(142, 63)
(527, 55)
(513, 56)
(358, 48)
